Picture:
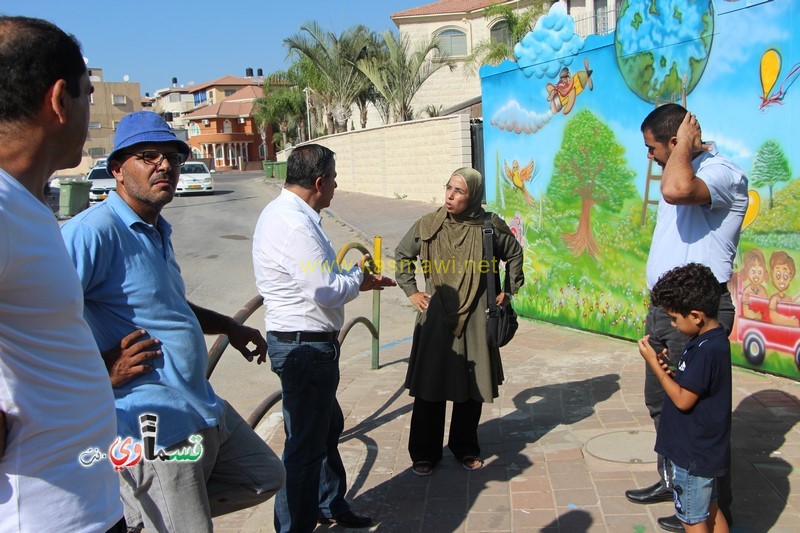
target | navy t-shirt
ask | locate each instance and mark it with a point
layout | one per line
(698, 440)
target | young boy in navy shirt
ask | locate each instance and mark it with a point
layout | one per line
(695, 426)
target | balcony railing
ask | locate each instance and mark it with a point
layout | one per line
(602, 22)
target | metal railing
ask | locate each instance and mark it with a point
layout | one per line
(374, 327)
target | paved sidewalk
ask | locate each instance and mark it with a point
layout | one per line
(567, 436)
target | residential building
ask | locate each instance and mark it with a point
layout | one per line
(173, 103)
(226, 132)
(458, 25)
(594, 16)
(109, 103)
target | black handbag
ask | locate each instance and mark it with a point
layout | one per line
(501, 320)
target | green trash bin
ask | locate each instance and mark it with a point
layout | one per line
(279, 170)
(268, 169)
(73, 197)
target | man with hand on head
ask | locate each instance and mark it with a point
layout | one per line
(305, 291)
(152, 341)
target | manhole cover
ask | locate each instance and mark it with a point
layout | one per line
(631, 447)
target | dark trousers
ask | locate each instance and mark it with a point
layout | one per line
(427, 430)
(313, 421)
(658, 325)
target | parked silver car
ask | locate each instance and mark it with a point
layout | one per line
(195, 178)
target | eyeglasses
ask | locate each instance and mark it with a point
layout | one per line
(458, 192)
(152, 157)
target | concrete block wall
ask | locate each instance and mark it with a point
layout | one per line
(406, 160)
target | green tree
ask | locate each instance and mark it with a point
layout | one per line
(400, 70)
(335, 57)
(283, 104)
(589, 169)
(516, 25)
(770, 167)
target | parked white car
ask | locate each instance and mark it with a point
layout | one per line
(102, 184)
(195, 178)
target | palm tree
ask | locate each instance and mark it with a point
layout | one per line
(517, 25)
(335, 57)
(282, 104)
(399, 72)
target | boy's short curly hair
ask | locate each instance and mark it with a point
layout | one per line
(687, 288)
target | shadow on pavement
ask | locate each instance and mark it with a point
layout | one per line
(760, 478)
(442, 501)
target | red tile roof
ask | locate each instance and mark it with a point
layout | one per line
(443, 7)
(227, 81)
(239, 104)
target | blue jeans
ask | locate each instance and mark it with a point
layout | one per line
(692, 494)
(313, 421)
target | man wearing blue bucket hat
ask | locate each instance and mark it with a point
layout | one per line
(152, 341)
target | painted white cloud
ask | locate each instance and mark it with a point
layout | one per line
(553, 38)
(512, 117)
(733, 148)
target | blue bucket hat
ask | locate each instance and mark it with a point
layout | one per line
(143, 127)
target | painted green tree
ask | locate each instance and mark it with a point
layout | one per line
(770, 167)
(589, 170)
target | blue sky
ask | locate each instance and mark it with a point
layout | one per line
(152, 42)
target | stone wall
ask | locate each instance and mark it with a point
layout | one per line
(406, 160)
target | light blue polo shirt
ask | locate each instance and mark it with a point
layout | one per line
(130, 281)
(706, 234)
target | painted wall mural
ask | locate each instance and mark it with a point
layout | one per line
(567, 167)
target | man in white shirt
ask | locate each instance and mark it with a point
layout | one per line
(56, 405)
(700, 214)
(304, 292)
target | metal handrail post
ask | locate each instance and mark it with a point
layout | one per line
(376, 307)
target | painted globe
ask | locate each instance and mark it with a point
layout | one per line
(662, 46)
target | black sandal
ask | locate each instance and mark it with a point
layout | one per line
(472, 462)
(422, 468)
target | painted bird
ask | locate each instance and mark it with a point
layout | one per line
(519, 176)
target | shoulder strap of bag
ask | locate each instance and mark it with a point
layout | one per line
(488, 255)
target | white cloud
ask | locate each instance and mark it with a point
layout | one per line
(512, 117)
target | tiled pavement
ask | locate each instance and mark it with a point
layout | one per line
(567, 436)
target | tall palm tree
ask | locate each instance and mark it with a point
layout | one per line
(517, 23)
(283, 104)
(335, 57)
(400, 71)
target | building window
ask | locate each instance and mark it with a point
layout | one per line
(95, 125)
(500, 33)
(229, 92)
(452, 43)
(210, 97)
(91, 98)
(97, 151)
(218, 152)
(174, 97)
(194, 129)
(114, 124)
(226, 126)
(199, 98)
(120, 99)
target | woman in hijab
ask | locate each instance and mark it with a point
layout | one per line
(450, 356)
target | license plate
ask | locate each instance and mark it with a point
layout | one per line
(194, 187)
